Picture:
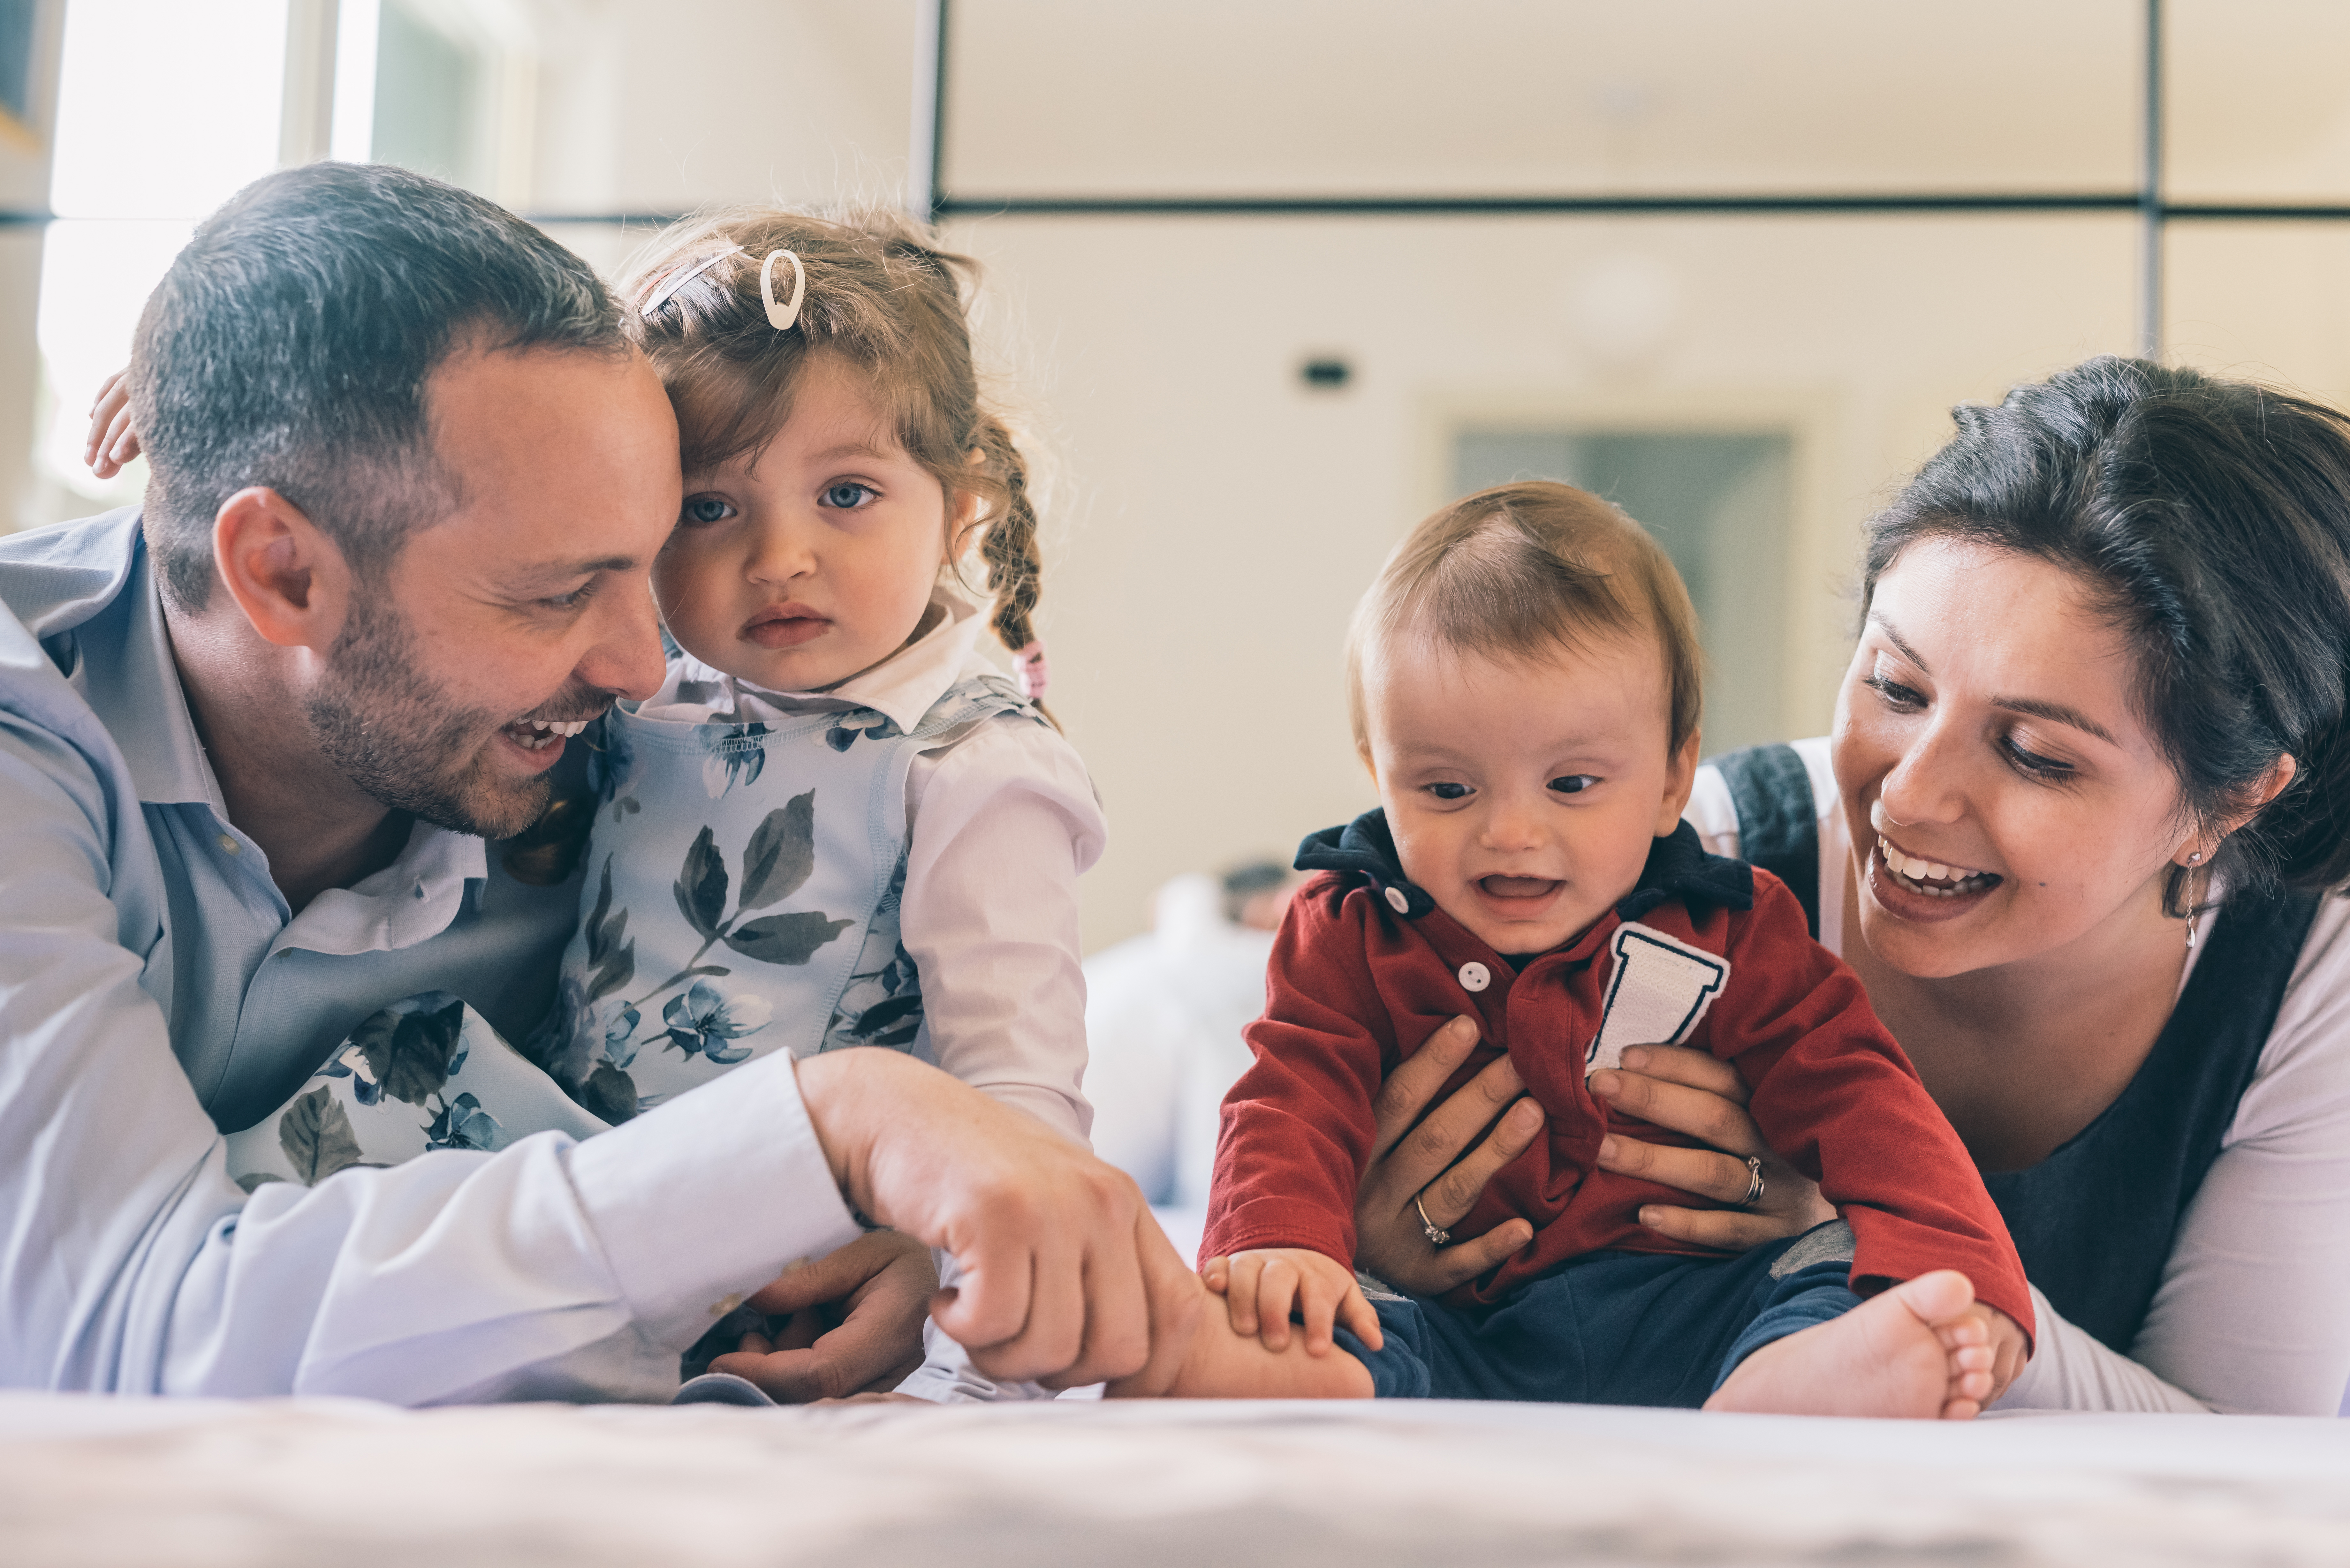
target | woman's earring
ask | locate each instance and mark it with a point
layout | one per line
(2193, 912)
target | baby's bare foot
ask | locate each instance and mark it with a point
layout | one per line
(1223, 1364)
(1913, 1351)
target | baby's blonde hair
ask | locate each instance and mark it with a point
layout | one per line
(881, 296)
(1522, 571)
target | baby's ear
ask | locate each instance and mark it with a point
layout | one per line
(1680, 779)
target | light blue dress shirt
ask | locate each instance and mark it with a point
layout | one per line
(155, 990)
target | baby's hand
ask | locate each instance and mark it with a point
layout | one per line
(1262, 1288)
(2009, 1348)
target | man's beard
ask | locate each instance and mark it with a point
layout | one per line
(410, 746)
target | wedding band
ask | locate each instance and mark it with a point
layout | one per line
(1754, 1184)
(1438, 1235)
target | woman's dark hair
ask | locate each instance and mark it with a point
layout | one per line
(2210, 521)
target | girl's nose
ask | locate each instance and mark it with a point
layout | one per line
(778, 554)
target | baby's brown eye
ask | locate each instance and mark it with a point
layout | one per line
(1449, 790)
(1573, 783)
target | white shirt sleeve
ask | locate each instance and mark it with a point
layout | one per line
(2071, 1369)
(2253, 1311)
(132, 1261)
(1003, 825)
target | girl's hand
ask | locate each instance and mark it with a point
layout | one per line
(112, 442)
(853, 1322)
(1390, 1241)
(1693, 1093)
(1262, 1286)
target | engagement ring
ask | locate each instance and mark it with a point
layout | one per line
(1436, 1234)
(1754, 1184)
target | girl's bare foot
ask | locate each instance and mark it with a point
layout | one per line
(1223, 1364)
(1914, 1351)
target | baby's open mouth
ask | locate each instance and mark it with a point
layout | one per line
(1931, 878)
(1518, 887)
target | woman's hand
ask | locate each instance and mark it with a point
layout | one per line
(112, 442)
(854, 1322)
(1389, 1240)
(1693, 1093)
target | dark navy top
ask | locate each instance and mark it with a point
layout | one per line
(2096, 1220)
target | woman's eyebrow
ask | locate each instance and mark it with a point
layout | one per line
(1893, 637)
(2055, 712)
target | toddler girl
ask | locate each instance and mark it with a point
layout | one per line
(837, 824)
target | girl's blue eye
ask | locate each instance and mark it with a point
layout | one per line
(703, 510)
(848, 495)
(1449, 790)
(1573, 783)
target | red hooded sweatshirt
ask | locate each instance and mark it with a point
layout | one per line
(1706, 953)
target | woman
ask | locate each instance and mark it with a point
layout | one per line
(2078, 829)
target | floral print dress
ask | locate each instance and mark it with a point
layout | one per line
(742, 896)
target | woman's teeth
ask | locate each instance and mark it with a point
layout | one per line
(1932, 878)
(538, 734)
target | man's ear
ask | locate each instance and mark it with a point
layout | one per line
(1680, 778)
(288, 578)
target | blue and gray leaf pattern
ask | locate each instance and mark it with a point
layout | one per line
(707, 1021)
(735, 757)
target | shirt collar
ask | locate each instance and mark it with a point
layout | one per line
(902, 686)
(124, 669)
(125, 672)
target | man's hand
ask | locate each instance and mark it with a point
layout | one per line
(1066, 1277)
(855, 1321)
(1262, 1287)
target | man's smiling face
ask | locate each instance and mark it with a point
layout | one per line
(523, 610)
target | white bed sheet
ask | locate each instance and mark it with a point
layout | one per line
(87, 1481)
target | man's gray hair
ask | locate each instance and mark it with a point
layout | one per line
(291, 342)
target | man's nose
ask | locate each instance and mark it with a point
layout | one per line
(626, 658)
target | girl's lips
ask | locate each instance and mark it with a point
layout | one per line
(787, 628)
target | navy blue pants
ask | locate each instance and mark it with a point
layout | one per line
(1606, 1328)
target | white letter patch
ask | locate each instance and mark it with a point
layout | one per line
(1661, 989)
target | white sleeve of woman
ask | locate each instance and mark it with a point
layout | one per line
(2253, 1312)
(1003, 825)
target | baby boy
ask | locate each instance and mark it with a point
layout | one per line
(1525, 684)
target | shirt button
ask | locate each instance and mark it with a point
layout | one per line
(228, 844)
(1475, 977)
(1399, 900)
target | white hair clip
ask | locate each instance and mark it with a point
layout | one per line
(670, 286)
(781, 316)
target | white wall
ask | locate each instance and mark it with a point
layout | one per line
(1212, 521)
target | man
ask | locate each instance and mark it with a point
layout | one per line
(407, 479)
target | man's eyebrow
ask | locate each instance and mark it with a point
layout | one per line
(2055, 712)
(1893, 637)
(565, 571)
